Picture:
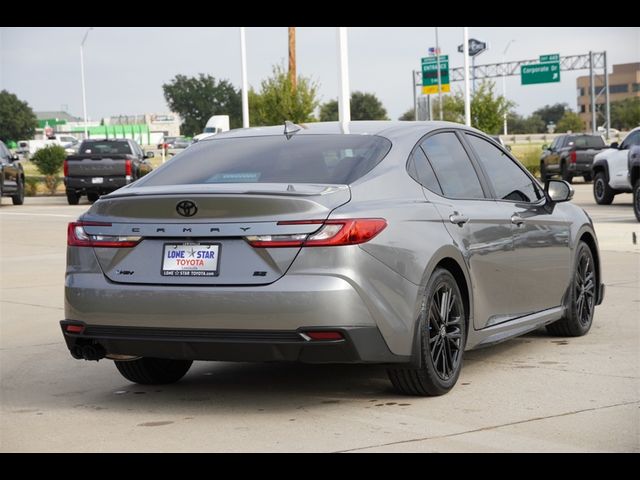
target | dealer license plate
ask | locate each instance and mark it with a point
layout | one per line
(97, 180)
(190, 259)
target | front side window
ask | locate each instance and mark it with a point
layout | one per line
(632, 139)
(508, 179)
(452, 166)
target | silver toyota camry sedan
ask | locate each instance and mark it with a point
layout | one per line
(396, 243)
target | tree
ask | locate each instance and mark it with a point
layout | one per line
(452, 108)
(17, 120)
(364, 106)
(552, 113)
(49, 161)
(278, 101)
(196, 99)
(570, 122)
(535, 124)
(408, 115)
(625, 114)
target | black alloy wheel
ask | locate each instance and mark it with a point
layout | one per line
(444, 331)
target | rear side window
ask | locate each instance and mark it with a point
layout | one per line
(421, 171)
(337, 159)
(106, 148)
(452, 166)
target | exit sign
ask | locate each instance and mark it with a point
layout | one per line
(540, 73)
(554, 57)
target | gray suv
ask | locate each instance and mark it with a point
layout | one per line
(397, 243)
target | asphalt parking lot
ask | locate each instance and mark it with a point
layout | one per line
(533, 393)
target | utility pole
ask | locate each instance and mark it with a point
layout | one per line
(84, 95)
(292, 58)
(465, 53)
(439, 77)
(606, 95)
(504, 85)
(344, 107)
(245, 92)
(415, 98)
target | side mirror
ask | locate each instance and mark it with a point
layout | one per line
(545, 147)
(559, 191)
(149, 155)
(614, 145)
(13, 158)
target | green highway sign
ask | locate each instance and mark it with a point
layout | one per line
(554, 57)
(430, 74)
(540, 73)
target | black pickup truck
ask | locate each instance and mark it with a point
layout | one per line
(11, 176)
(570, 156)
(634, 177)
(102, 166)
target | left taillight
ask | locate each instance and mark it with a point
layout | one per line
(574, 156)
(77, 236)
(332, 233)
(65, 167)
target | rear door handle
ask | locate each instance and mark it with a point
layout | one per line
(458, 219)
(517, 219)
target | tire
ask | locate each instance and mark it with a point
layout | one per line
(566, 175)
(153, 371)
(72, 197)
(440, 342)
(587, 177)
(543, 172)
(582, 297)
(93, 197)
(636, 199)
(18, 198)
(602, 192)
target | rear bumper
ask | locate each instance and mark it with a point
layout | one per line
(579, 168)
(109, 184)
(359, 344)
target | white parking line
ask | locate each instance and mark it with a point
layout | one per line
(39, 214)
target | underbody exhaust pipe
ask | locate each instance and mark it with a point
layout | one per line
(89, 352)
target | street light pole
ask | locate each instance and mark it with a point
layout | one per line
(344, 107)
(245, 91)
(504, 83)
(84, 95)
(465, 52)
(439, 77)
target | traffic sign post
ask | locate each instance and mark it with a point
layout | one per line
(540, 73)
(430, 75)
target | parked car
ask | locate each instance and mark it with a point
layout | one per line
(174, 145)
(570, 156)
(634, 177)
(397, 243)
(11, 176)
(102, 166)
(611, 169)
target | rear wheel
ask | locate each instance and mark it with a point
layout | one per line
(543, 172)
(153, 371)
(582, 297)
(587, 177)
(602, 192)
(72, 197)
(442, 333)
(636, 199)
(93, 197)
(18, 198)
(567, 176)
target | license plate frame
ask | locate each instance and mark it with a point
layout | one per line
(189, 270)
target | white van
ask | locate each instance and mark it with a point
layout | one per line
(215, 125)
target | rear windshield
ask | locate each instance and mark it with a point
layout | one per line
(105, 147)
(339, 159)
(587, 141)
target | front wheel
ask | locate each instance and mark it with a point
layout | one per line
(602, 192)
(442, 330)
(153, 371)
(18, 198)
(636, 199)
(582, 297)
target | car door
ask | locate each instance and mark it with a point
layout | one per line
(542, 261)
(9, 170)
(619, 162)
(552, 160)
(479, 226)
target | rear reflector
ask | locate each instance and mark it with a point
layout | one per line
(78, 237)
(324, 335)
(74, 328)
(332, 233)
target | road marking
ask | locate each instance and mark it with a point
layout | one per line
(40, 214)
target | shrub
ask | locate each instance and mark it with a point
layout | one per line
(49, 161)
(31, 186)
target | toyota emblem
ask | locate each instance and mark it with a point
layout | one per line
(186, 208)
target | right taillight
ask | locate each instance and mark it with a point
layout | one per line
(77, 236)
(332, 233)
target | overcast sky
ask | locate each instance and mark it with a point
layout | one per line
(126, 67)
